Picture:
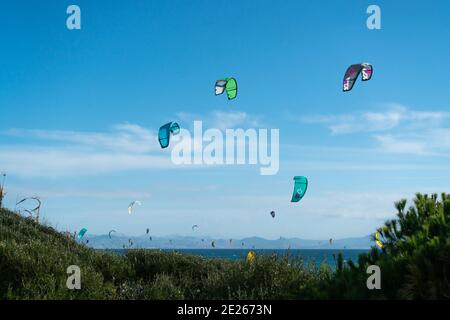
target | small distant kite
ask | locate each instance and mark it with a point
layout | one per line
(147, 231)
(251, 256)
(300, 187)
(131, 206)
(377, 241)
(38, 201)
(272, 213)
(150, 238)
(81, 233)
(330, 241)
(242, 244)
(194, 226)
(109, 234)
(231, 240)
(165, 131)
(229, 85)
(35, 210)
(213, 244)
(353, 72)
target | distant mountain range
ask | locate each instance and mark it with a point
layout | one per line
(120, 241)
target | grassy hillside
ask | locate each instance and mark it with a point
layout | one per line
(414, 263)
(34, 259)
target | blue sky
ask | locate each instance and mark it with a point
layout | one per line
(80, 109)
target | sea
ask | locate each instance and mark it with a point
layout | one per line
(317, 256)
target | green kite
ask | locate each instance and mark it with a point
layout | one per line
(229, 85)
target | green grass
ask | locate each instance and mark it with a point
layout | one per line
(415, 264)
(34, 259)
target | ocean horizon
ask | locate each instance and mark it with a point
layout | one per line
(317, 256)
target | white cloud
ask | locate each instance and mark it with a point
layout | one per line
(50, 193)
(367, 122)
(222, 120)
(124, 137)
(56, 161)
(58, 153)
(440, 138)
(370, 205)
(355, 205)
(392, 144)
(396, 116)
(398, 129)
(423, 142)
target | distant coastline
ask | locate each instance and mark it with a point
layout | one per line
(121, 241)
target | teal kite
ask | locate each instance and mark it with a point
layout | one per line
(81, 233)
(165, 131)
(301, 184)
(229, 85)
